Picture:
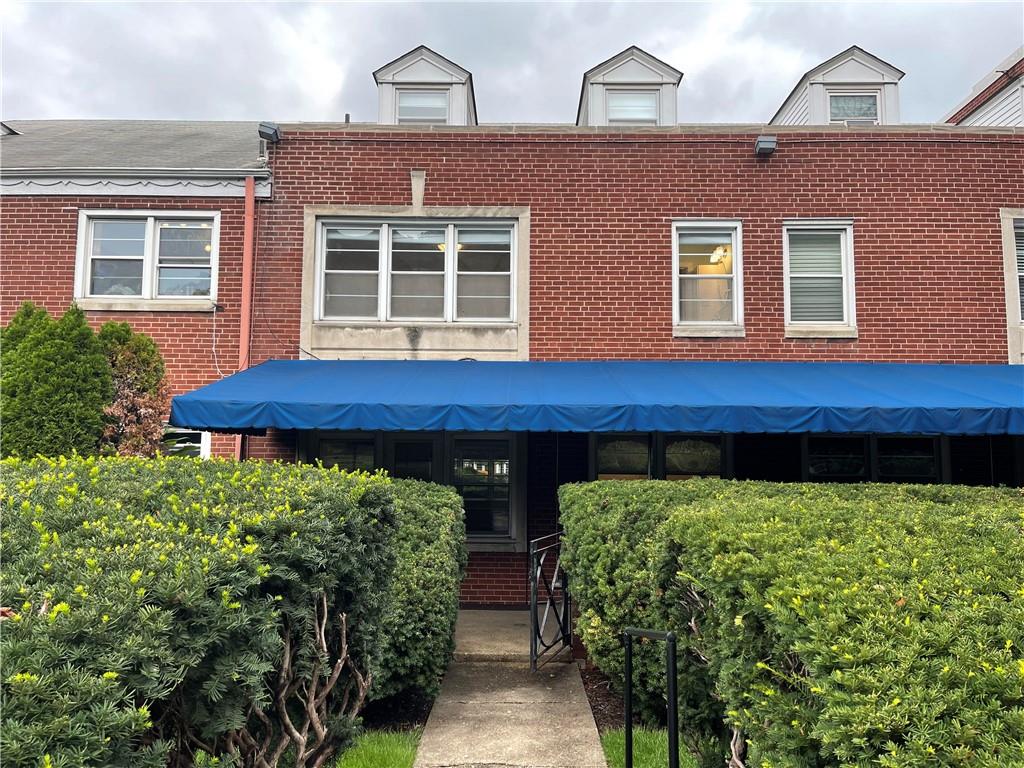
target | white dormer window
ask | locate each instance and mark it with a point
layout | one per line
(853, 108)
(424, 88)
(632, 107)
(420, 106)
(852, 88)
(630, 88)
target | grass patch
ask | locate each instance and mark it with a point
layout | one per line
(650, 749)
(382, 749)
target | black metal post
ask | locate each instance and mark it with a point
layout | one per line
(673, 701)
(627, 640)
(672, 685)
(533, 606)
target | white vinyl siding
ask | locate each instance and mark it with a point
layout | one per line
(423, 271)
(818, 265)
(126, 257)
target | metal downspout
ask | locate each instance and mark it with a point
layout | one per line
(245, 310)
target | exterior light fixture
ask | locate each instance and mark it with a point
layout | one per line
(270, 132)
(765, 145)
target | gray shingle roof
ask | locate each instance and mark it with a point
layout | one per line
(130, 145)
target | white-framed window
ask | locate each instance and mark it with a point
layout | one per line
(422, 106)
(417, 271)
(186, 442)
(817, 258)
(1018, 242)
(854, 108)
(707, 288)
(631, 107)
(157, 256)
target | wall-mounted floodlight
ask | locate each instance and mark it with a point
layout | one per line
(765, 145)
(270, 132)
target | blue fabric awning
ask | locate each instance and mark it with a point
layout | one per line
(611, 396)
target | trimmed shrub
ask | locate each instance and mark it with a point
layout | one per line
(167, 606)
(141, 399)
(55, 383)
(418, 638)
(831, 625)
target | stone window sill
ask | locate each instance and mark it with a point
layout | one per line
(500, 325)
(821, 332)
(491, 545)
(708, 331)
(146, 305)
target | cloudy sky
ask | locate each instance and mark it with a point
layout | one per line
(312, 61)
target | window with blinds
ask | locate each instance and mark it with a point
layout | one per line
(632, 107)
(411, 271)
(818, 275)
(1018, 239)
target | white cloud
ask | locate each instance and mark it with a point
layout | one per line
(313, 61)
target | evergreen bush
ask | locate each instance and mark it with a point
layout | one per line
(418, 639)
(167, 606)
(821, 625)
(54, 384)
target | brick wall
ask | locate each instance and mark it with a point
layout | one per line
(38, 238)
(928, 258)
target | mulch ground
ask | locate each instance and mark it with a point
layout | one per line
(605, 703)
(402, 713)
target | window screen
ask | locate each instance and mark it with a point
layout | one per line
(816, 276)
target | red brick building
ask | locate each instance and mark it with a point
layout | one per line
(626, 237)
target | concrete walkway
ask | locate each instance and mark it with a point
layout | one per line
(493, 712)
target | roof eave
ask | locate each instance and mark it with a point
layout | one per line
(127, 173)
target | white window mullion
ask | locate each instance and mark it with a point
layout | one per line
(450, 263)
(149, 261)
(384, 275)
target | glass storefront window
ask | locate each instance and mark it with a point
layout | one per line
(687, 457)
(623, 457)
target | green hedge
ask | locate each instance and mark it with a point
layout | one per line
(821, 625)
(419, 625)
(153, 600)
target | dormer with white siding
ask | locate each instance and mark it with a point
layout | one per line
(852, 88)
(997, 99)
(630, 88)
(422, 87)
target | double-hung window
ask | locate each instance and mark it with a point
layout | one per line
(818, 268)
(167, 257)
(631, 107)
(417, 271)
(707, 287)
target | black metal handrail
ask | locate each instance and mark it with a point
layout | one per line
(553, 589)
(672, 682)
